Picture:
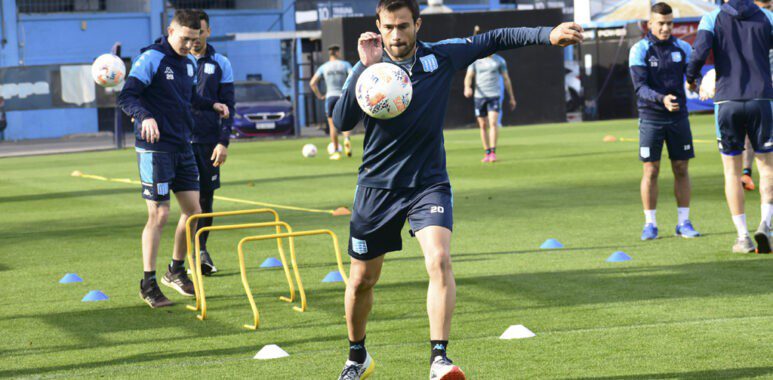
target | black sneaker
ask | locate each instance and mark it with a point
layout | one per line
(207, 266)
(179, 281)
(151, 294)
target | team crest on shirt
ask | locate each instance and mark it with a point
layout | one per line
(169, 73)
(429, 63)
(676, 56)
(190, 70)
(209, 68)
(653, 61)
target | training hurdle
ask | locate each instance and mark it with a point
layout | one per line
(196, 270)
(290, 235)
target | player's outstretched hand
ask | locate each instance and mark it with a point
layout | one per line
(370, 48)
(222, 110)
(671, 103)
(566, 34)
(149, 131)
(219, 155)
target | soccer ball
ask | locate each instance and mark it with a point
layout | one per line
(708, 85)
(331, 150)
(384, 91)
(309, 150)
(108, 70)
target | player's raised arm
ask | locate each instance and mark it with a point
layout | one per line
(347, 112)
(704, 40)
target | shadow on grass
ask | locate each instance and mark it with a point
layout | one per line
(734, 373)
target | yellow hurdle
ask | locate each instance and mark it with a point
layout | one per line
(290, 235)
(188, 248)
(202, 293)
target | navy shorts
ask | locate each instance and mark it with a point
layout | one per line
(330, 104)
(161, 172)
(209, 175)
(676, 135)
(737, 119)
(379, 215)
(485, 105)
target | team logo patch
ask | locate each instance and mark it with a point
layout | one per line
(162, 188)
(644, 152)
(687, 147)
(214, 177)
(209, 68)
(169, 73)
(147, 193)
(653, 61)
(676, 56)
(359, 246)
(190, 70)
(429, 63)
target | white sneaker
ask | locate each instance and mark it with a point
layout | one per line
(444, 369)
(356, 371)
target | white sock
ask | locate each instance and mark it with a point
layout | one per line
(683, 214)
(740, 225)
(767, 211)
(649, 217)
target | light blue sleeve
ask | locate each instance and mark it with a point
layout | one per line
(146, 65)
(638, 53)
(708, 22)
(225, 67)
(321, 70)
(195, 63)
(502, 64)
(686, 48)
(770, 18)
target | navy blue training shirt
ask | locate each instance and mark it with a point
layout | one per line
(160, 85)
(215, 81)
(657, 69)
(741, 35)
(407, 151)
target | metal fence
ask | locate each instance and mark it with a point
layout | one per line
(79, 6)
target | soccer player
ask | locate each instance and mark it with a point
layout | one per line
(403, 174)
(211, 134)
(657, 65)
(158, 94)
(741, 35)
(488, 73)
(334, 72)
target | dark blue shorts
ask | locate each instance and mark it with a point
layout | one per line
(484, 105)
(209, 175)
(676, 135)
(737, 119)
(161, 172)
(330, 103)
(379, 215)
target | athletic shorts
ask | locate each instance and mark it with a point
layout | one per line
(379, 215)
(161, 172)
(330, 104)
(676, 135)
(485, 105)
(737, 119)
(209, 175)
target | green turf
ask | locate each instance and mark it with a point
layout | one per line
(680, 309)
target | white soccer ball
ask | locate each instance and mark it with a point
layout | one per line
(309, 150)
(108, 70)
(331, 150)
(708, 85)
(384, 91)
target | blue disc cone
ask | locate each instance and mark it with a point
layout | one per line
(271, 262)
(95, 295)
(551, 244)
(334, 276)
(70, 278)
(618, 257)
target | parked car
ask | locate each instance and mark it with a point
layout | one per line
(261, 110)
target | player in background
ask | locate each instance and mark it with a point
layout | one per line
(158, 94)
(741, 35)
(334, 72)
(403, 173)
(211, 134)
(657, 64)
(489, 74)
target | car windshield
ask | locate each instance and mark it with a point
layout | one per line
(257, 93)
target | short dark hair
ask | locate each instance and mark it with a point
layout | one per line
(393, 5)
(333, 48)
(662, 9)
(187, 18)
(203, 16)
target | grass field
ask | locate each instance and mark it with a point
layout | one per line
(680, 309)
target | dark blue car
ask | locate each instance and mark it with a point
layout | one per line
(261, 110)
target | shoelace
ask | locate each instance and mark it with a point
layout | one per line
(351, 372)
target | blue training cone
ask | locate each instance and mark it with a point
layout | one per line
(334, 276)
(618, 256)
(551, 244)
(271, 262)
(95, 295)
(70, 278)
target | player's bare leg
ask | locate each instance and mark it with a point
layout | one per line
(748, 160)
(735, 201)
(358, 301)
(484, 137)
(176, 277)
(333, 139)
(435, 243)
(765, 166)
(493, 122)
(649, 199)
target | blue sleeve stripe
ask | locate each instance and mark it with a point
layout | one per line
(686, 48)
(357, 66)
(225, 67)
(449, 42)
(638, 54)
(145, 66)
(709, 21)
(770, 18)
